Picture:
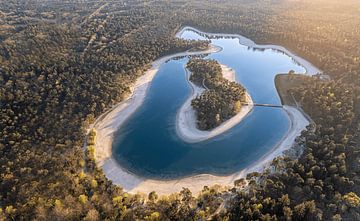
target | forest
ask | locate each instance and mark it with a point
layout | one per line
(63, 63)
(222, 98)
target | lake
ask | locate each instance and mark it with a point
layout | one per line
(147, 144)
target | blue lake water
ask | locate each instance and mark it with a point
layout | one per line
(147, 143)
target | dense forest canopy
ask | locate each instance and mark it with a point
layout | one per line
(63, 63)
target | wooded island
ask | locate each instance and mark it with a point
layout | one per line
(222, 98)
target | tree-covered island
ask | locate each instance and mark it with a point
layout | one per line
(222, 98)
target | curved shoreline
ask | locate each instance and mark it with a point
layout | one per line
(310, 68)
(186, 119)
(136, 184)
(110, 121)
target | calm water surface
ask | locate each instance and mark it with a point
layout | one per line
(147, 144)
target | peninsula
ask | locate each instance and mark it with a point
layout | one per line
(221, 100)
(215, 104)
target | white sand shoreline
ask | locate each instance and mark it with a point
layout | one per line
(186, 126)
(135, 184)
(109, 122)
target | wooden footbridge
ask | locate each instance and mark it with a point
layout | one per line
(255, 104)
(263, 105)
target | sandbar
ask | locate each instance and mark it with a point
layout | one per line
(186, 119)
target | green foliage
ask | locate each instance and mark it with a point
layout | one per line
(155, 216)
(153, 196)
(222, 99)
(352, 199)
(65, 63)
(83, 199)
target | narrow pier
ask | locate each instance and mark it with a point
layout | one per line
(265, 105)
(255, 104)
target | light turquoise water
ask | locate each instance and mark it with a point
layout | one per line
(147, 143)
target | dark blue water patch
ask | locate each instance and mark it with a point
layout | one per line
(147, 143)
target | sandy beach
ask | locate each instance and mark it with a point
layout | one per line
(186, 119)
(136, 184)
(109, 122)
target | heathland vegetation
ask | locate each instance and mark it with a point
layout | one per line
(63, 63)
(222, 98)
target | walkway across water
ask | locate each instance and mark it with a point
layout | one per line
(264, 105)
